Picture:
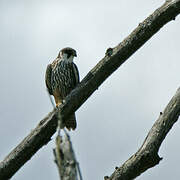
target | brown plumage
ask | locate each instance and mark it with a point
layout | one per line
(62, 77)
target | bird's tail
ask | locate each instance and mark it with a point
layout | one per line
(71, 122)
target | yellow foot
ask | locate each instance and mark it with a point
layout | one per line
(58, 104)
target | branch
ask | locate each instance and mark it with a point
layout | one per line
(147, 156)
(65, 158)
(113, 59)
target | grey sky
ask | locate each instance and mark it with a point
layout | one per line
(114, 121)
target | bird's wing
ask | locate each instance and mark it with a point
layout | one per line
(76, 73)
(48, 78)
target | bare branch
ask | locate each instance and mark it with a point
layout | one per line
(40, 136)
(65, 158)
(113, 59)
(147, 156)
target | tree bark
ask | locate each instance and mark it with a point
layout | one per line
(147, 156)
(113, 59)
(65, 158)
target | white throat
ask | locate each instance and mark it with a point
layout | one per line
(64, 58)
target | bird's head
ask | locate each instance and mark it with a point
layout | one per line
(67, 54)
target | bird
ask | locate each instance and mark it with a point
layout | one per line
(61, 77)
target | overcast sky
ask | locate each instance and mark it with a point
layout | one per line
(114, 121)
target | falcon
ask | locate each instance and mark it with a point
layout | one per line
(61, 78)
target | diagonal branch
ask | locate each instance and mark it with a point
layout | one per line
(113, 59)
(147, 156)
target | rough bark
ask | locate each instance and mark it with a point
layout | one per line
(65, 158)
(40, 136)
(147, 156)
(113, 59)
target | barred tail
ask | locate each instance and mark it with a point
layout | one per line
(71, 122)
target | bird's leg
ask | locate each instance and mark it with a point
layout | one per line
(58, 104)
